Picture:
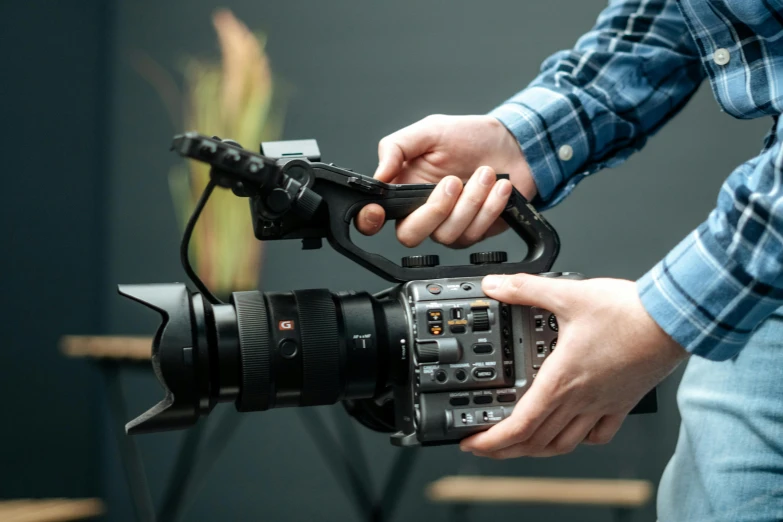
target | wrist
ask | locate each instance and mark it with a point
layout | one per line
(514, 163)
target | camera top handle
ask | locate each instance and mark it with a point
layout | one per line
(295, 196)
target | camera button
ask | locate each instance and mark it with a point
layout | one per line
(434, 315)
(434, 289)
(482, 348)
(482, 399)
(484, 373)
(457, 327)
(459, 401)
(507, 397)
(288, 348)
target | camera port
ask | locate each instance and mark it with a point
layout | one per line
(460, 375)
(441, 376)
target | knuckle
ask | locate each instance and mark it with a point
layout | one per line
(519, 432)
(407, 239)
(444, 237)
(473, 199)
(515, 283)
(599, 437)
(439, 211)
(471, 236)
(562, 447)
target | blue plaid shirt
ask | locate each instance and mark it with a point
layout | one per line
(593, 106)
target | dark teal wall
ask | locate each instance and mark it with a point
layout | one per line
(79, 217)
(360, 70)
(52, 127)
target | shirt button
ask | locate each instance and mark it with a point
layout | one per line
(565, 152)
(721, 56)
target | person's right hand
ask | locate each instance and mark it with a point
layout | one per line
(451, 150)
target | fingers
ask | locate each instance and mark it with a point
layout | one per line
(486, 221)
(530, 413)
(473, 198)
(423, 221)
(570, 437)
(370, 219)
(605, 430)
(526, 289)
(566, 440)
(405, 145)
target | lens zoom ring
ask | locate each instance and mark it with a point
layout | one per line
(320, 347)
(254, 346)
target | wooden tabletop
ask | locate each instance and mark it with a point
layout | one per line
(50, 510)
(107, 347)
(473, 489)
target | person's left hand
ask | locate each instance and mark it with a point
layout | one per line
(609, 354)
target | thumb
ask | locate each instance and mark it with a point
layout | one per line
(404, 145)
(530, 290)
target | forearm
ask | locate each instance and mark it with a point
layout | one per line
(593, 106)
(720, 282)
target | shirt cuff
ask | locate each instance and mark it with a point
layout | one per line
(552, 138)
(704, 299)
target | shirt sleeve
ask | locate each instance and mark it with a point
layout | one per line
(726, 277)
(594, 105)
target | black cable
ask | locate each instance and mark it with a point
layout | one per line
(184, 246)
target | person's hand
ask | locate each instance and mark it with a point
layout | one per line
(610, 352)
(449, 150)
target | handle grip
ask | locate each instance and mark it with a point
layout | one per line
(327, 199)
(399, 201)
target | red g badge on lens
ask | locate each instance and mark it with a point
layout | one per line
(285, 325)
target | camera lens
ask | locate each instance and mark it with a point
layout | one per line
(263, 351)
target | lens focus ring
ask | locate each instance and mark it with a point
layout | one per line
(254, 347)
(320, 347)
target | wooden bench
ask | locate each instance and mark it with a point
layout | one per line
(621, 495)
(50, 510)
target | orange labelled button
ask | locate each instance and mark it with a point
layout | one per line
(434, 289)
(436, 329)
(434, 315)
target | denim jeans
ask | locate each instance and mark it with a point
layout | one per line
(728, 464)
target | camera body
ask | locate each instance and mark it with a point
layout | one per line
(431, 360)
(471, 358)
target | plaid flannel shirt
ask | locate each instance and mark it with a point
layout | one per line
(593, 106)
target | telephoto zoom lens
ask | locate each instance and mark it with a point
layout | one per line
(268, 350)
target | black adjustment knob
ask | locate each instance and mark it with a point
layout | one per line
(425, 261)
(278, 200)
(487, 258)
(481, 320)
(427, 352)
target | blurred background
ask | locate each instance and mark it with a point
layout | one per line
(94, 198)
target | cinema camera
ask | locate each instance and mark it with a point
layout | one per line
(430, 360)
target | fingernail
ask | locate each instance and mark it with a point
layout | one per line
(374, 217)
(504, 189)
(452, 185)
(491, 282)
(487, 177)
